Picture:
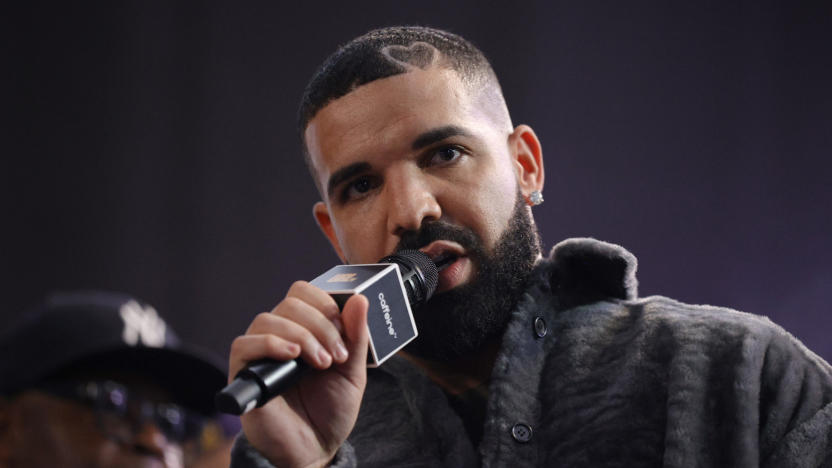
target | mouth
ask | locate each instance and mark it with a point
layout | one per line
(455, 268)
(444, 260)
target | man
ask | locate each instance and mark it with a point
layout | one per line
(95, 379)
(521, 361)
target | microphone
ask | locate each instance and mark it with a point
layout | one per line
(394, 286)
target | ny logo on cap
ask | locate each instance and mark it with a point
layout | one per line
(142, 323)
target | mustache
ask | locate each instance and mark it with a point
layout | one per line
(439, 230)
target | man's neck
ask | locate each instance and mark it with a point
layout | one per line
(463, 374)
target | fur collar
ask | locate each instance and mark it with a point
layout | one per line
(584, 270)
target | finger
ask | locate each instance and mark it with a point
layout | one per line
(319, 299)
(247, 348)
(319, 325)
(312, 351)
(357, 335)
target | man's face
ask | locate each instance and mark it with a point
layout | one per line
(44, 430)
(417, 161)
(408, 149)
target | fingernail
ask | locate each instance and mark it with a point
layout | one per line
(341, 353)
(323, 357)
(294, 348)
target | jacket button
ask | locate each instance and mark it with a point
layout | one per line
(521, 432)
(540, 327)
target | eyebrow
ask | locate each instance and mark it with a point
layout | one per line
(438, 134)
(345, 173)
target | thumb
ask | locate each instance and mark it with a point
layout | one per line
(354, 318)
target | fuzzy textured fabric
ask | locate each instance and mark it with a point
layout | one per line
(615, 382)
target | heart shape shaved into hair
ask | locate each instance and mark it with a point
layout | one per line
(418, 54)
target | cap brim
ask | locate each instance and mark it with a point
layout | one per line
(191, 378)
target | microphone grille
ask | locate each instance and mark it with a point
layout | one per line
(415, 259)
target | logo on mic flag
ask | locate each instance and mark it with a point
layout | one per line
(343, 278)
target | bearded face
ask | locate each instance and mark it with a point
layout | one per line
(459, 321)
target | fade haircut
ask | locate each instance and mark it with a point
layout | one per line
(386, 52)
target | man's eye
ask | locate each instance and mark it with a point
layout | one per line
(358, 188)
(446, 154)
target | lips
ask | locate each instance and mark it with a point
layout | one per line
(442, 249)
(458, 267)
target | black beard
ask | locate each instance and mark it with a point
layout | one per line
(458, 322)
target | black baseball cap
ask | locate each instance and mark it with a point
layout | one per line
(106, 331)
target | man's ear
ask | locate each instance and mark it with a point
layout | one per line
(528, 159)
(321, 214)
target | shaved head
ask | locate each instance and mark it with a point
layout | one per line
(387, 52)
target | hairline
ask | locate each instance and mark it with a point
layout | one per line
(476, 84)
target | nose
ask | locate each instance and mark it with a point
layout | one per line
(411, 201)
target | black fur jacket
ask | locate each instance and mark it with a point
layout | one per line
(614, 381)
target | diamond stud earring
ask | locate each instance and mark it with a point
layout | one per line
(535, 198)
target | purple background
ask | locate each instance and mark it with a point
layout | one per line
(150, 147)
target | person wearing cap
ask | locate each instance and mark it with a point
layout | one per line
(98, 379)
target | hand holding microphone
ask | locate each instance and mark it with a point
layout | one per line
(395, 285)
(310, 420)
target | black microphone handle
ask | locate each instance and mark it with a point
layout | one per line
(272, 378)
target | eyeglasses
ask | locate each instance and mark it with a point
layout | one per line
(121, 415)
